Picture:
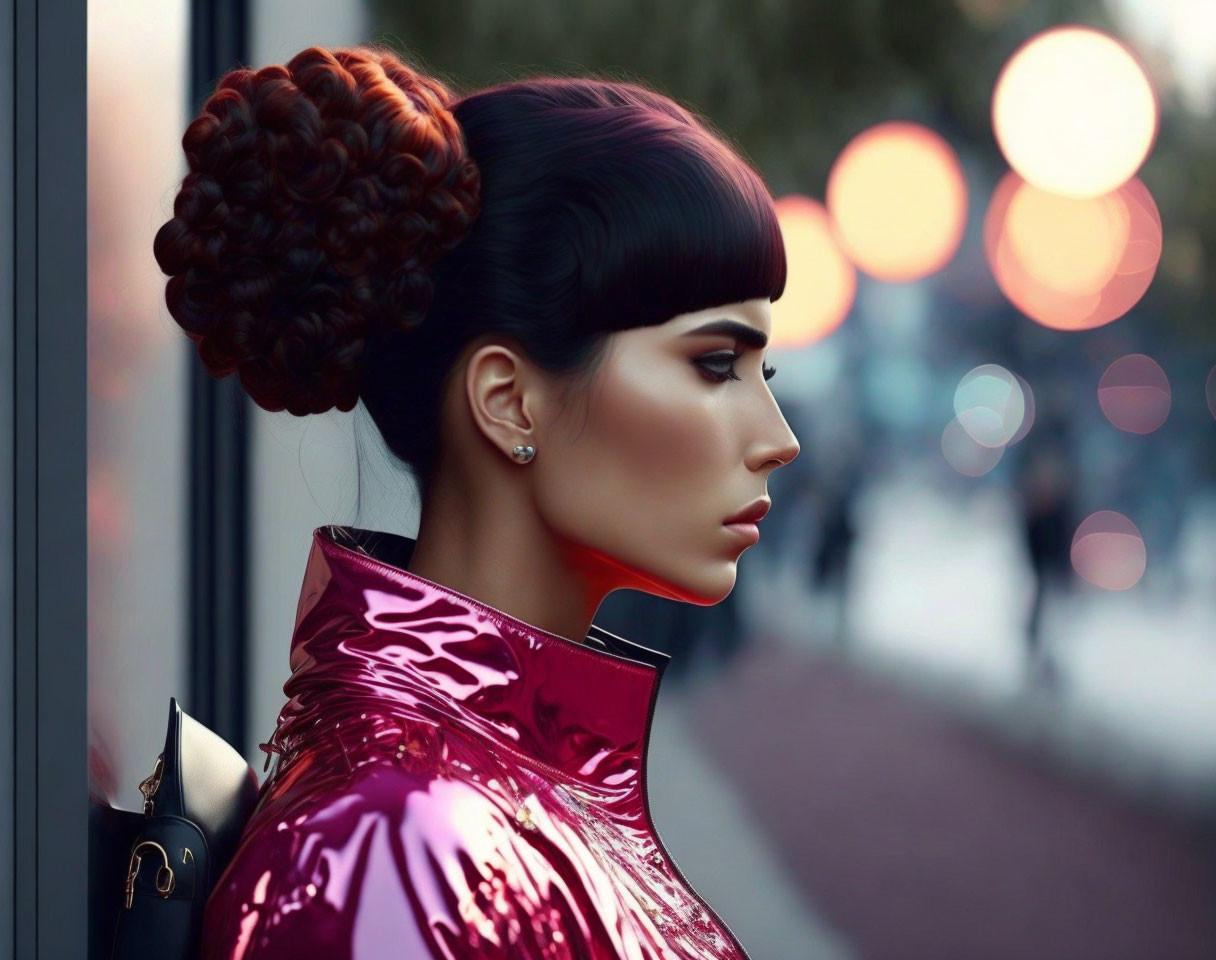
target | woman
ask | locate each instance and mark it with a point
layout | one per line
(552, 298)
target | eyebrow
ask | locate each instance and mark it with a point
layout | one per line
(743, 331)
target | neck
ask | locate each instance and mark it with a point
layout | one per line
(496, 548)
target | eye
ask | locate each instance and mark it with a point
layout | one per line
(720, 367)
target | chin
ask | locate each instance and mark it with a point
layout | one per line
(724, 582)
(688, 574)
(712, 584)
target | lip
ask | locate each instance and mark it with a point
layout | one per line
(751, 514)
(749, 531)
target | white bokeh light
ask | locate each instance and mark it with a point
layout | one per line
(990, 405)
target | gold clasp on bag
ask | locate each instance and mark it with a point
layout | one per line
(150, 784)
(163, 886)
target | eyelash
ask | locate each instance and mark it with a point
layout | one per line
(729, 373)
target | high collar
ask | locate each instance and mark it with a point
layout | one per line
(372, 638)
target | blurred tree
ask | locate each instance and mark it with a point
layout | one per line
(788, 83)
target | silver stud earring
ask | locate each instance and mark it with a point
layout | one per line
(524, 453)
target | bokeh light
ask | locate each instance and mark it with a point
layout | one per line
(1134, 393)
(1072, 264)
(820, 283)
(1108, 551)
(1073, 112)
(989, 405)
(964, 454)
(1070, 245)
(898, 201)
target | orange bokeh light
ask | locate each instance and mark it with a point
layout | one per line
(820, 282)
(1070, 245)
(1069, 263)
(1073, 112)
(898, 201)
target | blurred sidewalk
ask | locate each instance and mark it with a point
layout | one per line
(936, 602)
(925, 799)
(920, 837)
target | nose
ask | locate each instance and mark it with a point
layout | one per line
(785, 454)
(776, 452)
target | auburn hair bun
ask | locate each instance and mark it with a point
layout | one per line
(320, 193)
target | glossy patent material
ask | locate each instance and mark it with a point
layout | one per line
(453, 782)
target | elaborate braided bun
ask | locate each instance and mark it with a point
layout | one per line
(320, 193)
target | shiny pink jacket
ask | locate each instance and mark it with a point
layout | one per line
(453, 782)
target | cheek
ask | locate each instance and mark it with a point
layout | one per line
(649, 464)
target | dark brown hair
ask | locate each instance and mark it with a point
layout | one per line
(346, 227)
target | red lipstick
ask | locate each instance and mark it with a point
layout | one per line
(744, 522)
(752, 513)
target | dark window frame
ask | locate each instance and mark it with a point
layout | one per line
(47, 371)
(218, 637)
(43, 425)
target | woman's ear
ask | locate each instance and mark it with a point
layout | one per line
(501, 388)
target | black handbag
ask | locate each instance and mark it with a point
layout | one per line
(152, 873)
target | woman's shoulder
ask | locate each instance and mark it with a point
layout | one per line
(375, 864)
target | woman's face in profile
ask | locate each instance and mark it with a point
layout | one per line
(677, 431)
